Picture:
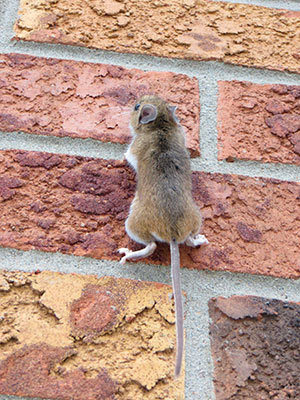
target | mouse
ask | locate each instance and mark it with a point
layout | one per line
(163, 209)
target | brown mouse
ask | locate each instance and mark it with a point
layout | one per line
(163, 208)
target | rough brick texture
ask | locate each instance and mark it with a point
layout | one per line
(76, 337)
(198, 29)
(84, 100)
(255, 347)
(78, 206)
(259, 122)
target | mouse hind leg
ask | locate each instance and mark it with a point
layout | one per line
(195, 239)
(138, 232)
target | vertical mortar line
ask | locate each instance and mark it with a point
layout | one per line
(199, 361)
(199, 285)
(208, 122)
(202, 288)
(211, 161)
(8, 16)
(198, 358)
(208, 160)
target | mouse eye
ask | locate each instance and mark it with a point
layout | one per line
(136, 107)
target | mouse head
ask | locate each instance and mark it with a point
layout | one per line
(152, 112)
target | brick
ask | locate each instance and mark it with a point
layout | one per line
(69, 336)
(78, 205)
(255, 346)
(259, 122)
(84, 100)
(240, 34)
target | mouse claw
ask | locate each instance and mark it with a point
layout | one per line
(125, 251)
(123, 260)
(196, 241)
(201, 239)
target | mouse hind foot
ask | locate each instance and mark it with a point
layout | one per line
(129, 254)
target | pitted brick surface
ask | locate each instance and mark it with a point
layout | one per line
(72, 337)
(255, 347)
(197, 29)
(259, 122)
(84, 100)
(78, 206)
(26, 372)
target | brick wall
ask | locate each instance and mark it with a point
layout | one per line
(74, 323)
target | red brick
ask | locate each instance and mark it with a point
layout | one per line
(84, 100)
(259, 122)
(78, 206)
(255, 346)
(240, 34)
(75, 337)
(26, 372)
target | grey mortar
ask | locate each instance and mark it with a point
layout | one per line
(200, 286)
(207, 73)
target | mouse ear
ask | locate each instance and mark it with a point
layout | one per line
(173, 110)
(148, 114)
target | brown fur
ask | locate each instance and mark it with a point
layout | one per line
(163, 203)
(163, 207)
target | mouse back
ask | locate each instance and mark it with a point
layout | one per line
(163, 168)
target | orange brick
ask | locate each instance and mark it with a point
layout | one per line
(195, 29)
(69, 336)
(259, 122)
(255, 346)
(78, 206)
(68, 98)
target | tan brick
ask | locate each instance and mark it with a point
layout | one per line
(69, 98)
(78, 206)
(255, 347)
(259, 122)
(195, 29)
(69, 336)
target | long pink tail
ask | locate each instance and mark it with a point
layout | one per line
(175, 272)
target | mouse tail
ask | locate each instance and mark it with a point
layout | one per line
(175, 272)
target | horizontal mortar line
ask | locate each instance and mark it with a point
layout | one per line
(254, 169)
(196, 283)
(96, 149)
(10, 13)
(213, 70)
(277, 4)
(140, 61)
(88, 147)
(200, 286)
(152, 63)
(2, 397)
